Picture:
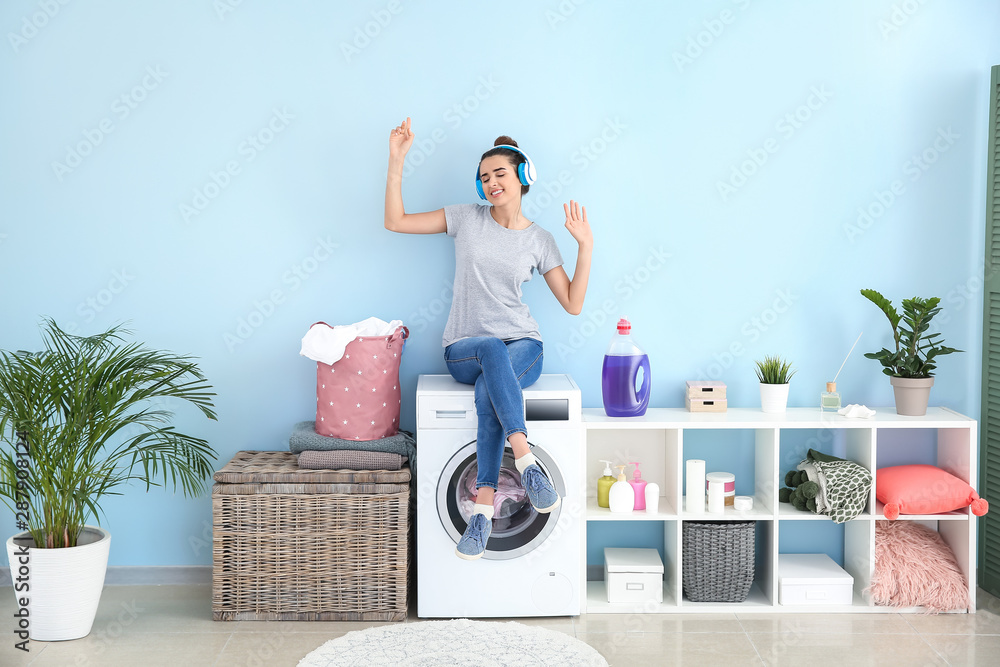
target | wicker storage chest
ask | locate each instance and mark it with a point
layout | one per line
(316, 545)
(717, 560)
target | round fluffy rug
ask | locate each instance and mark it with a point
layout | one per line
(456, 643)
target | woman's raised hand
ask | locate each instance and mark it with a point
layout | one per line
(400, 139)
(576, 223)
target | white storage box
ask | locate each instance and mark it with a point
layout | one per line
(813, 579)
(633, 575)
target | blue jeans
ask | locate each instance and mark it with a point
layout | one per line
(499, 370)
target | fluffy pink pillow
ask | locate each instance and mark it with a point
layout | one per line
(915, 568)
(924, 489)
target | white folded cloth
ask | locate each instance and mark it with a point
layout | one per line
(326, 344)
(855, 411)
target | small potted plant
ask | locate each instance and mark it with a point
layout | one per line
(910, 365)
(78, 420)
(774, 374)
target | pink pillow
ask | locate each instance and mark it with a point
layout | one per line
(915, 567)
(924, 489)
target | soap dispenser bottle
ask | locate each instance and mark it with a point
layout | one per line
(621, 497)
(604, 485)
(638, 488)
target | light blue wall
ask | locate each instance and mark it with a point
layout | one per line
(597, 93)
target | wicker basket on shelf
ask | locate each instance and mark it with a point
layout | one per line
(323, 545)
(718, 560)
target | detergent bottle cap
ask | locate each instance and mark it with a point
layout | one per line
(607, 467)
(621, 473)
(637, 476)
(624, 326)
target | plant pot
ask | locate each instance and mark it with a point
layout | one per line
(912, 395)
(773, 398)
(63, 585)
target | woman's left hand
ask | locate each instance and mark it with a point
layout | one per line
(576, 223)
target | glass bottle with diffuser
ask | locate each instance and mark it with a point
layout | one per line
(829, 400)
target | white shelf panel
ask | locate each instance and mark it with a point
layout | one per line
(957, 515)
(859, 604)
(755, 600)
(597, 602)
(758, 512)
(914, 610)
(595, 513)
(734, 418)
(786, 511)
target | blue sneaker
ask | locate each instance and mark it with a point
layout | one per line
(540, 492)
(473, 542)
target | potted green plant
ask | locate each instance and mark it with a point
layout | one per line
(910, 365)
(78, 420)
(774, 374)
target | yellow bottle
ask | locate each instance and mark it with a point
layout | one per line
(604, 485)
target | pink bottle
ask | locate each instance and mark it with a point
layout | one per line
(639, 487)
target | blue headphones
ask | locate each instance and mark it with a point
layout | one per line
(525, 171)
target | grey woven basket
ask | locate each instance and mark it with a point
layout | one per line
(717, 560)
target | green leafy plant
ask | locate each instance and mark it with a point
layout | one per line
(915, 348)
(772, 370)
(86, 415)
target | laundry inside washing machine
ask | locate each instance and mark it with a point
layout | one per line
(510, 501)
(516, 524)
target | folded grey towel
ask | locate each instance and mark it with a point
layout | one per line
(305, 438)
(350, 459)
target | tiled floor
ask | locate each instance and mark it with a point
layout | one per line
(171, 625)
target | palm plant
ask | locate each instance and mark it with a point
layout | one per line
(772, 370)
(86, 415)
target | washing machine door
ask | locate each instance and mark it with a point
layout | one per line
(517, 527)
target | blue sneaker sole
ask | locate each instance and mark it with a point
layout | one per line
(550, 507)
(467, 556)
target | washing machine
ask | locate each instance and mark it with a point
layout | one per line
(533, 565)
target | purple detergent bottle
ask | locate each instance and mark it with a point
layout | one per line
(623, 364)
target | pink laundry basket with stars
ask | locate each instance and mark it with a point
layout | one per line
(358, 397)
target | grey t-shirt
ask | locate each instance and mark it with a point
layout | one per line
(491, 263)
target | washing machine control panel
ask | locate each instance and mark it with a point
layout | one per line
(546, 409)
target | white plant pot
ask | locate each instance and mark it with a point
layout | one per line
(912, 395)
(62, 586)
(773, 398)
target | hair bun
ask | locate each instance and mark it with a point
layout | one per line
(504, 140)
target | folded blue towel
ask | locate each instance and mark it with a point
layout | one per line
(305, 438)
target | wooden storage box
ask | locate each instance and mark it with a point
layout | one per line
(316, 545)
(705, 404)
(633, 575)
(710, 389)
(705, 396)
(813, 579)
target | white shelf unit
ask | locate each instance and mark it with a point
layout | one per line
(657, 441)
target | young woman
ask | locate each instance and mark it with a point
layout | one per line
(491, 341)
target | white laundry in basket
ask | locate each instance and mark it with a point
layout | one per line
(326, 344)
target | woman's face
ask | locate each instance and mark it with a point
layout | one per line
(500, 182)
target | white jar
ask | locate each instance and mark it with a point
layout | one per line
(721, 491)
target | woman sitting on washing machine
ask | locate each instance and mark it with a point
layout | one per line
(491, 340)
